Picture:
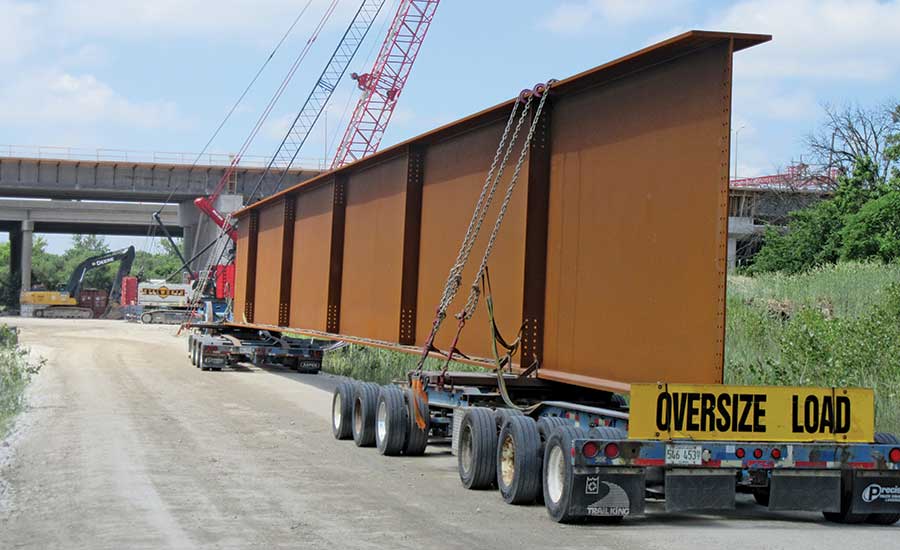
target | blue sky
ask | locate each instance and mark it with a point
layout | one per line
(160, 75)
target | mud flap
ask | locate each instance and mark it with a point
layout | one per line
(807, 490)
(875, 492)
(607, 492)
(699, 489)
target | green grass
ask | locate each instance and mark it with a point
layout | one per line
(833, 326)
(845, 289)
(380, 365)
(15, 373)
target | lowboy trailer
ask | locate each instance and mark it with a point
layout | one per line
(573, 450)
(614, 163)
(215, 346)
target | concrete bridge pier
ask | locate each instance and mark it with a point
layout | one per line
(15, 254)
(25, 252)
(199, 231)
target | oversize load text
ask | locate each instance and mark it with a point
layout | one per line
(747, 413)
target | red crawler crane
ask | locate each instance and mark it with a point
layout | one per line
(382, 86)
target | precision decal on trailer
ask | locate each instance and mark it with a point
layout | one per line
(751, 413)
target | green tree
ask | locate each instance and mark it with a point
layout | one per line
(47, 269)
(814, 235)
(160, 265)
(873, 231)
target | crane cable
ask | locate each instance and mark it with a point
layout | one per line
(240, 98)
(275, 97)
(151, 231)
(254, 131)
(263, 117)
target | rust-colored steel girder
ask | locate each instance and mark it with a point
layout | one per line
(612, 255)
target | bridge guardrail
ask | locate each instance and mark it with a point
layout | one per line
(54, 152)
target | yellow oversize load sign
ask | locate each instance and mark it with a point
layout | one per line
(751, 413)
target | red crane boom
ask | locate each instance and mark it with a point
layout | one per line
(382, 86)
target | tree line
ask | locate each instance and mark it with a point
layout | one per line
(860, 218)
(51, 271)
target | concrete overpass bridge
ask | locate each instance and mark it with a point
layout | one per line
(109, 174)
(23, 217)
(84, 186)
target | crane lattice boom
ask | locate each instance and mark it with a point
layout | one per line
(318, 98)
(382, 86)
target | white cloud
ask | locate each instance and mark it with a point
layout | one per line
(574, 17)
(819, 48)
(50, 51)
(224, 19)
(63, 99)
(818, 39)
(18, 30)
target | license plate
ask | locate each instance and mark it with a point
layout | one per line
(684, 455)
(309, 364)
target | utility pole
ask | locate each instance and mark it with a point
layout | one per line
(736, 134)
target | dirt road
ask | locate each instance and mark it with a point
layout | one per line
(127, 446)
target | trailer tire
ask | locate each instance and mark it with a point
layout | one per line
(519, 460)
(416, 437)
(546, 425)
(342, 411)
(147, 318)
(500, 415)
(200, 359)
(884, 438)
(761, 496)
(845, 515)
(607, 432)
(558, 474)
(193, 352)
(390, 421)
(477, 456)
(364, 402)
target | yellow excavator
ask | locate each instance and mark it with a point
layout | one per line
(65, 303)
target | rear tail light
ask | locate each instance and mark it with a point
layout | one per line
(740, 452)
(776, 454)
(757, 453)
(894, 455)
(611, 450)
(590, 449)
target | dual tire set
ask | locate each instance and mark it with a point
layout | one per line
(527, 460)
(196, 354)
(379, 416)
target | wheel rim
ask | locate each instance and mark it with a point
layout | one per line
(336, 411)
(381, 422)
(508, 460)
(357, 417)
(556, 474)
(465, 450)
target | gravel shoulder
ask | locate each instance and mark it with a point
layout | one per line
(125, 445)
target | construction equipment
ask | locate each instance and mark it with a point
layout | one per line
(383, 84)
(161, 302)
(600, 300)
(71, 302)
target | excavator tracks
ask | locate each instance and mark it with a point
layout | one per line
(64, 312)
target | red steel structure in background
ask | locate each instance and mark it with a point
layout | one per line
(382, 86)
